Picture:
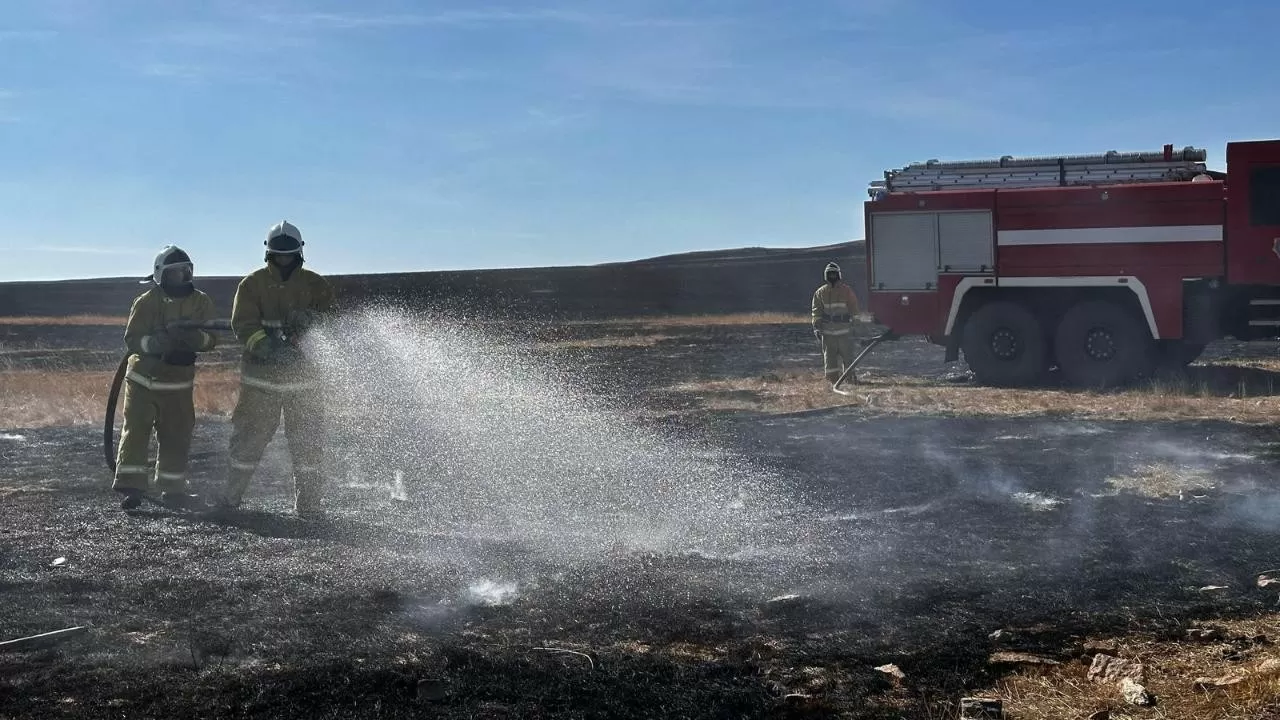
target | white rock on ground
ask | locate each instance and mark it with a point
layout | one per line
(1110, 669)
(1134, 694)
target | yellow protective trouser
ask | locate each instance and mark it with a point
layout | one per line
(254, 422)
(168, 409)
(837, 354)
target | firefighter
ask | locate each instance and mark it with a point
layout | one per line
(274, 307)
(160, 381)
(833, 310)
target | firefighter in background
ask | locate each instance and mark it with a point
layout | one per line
(160, 382)
(274, 308)
(834, 308)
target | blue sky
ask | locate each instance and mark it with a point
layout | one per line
(427, 135)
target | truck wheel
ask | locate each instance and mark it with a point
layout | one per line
(1101, 344)
(1005, 345)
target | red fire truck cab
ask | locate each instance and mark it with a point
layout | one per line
(1103, 266)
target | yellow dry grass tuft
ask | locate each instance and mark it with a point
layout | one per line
(629, 341)
(64, 320)
(32, 398)
(728, 319)
(1162, 480)
(890, 394)
(1173, 669)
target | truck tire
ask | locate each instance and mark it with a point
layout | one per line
(1101, 344)
(1004, 345)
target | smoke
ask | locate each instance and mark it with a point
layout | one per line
(1077, 492)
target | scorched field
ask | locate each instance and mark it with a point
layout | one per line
(652, 518)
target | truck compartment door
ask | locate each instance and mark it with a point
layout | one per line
(965, 242)
(904, 251)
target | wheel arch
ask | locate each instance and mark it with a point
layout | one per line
(1049, 297)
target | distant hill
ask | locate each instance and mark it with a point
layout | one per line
(714, 281)
(840, 252)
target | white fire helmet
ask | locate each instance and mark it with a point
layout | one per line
(172, 257)
(832, 267)
(284, 238)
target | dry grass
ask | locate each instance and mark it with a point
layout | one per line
(64, 320)
(760, 318)
(608, 341)
(34, 398)
(31, 398)
(1162, 480)
(889, 394)
(1172, 670)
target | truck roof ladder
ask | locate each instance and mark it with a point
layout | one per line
(1010, 172)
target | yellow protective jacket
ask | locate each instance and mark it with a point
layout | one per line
(263, 303)
(150, 314)
(834, 308)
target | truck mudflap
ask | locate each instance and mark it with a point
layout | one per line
(952, 344)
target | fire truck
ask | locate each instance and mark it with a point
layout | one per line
(1103, 267)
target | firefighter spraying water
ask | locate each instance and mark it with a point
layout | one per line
(274, 308)
(169, 325)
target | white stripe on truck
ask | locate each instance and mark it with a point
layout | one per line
(1097, 236)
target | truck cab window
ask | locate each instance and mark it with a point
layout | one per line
(1264, 196)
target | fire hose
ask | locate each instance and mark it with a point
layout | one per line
(113, 397)
(835, 387)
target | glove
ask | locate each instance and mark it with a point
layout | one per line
(185, 358)
(817, 333)
(170, 345)
(265, 349)
(157, 344)
(274, 351)
(286, 354)
(190, 340)
(302, 320)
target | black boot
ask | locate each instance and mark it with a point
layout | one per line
(132, 498)
(182, 501)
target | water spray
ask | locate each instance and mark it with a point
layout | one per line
(535, 464)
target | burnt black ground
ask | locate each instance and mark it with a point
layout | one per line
(929, 533)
